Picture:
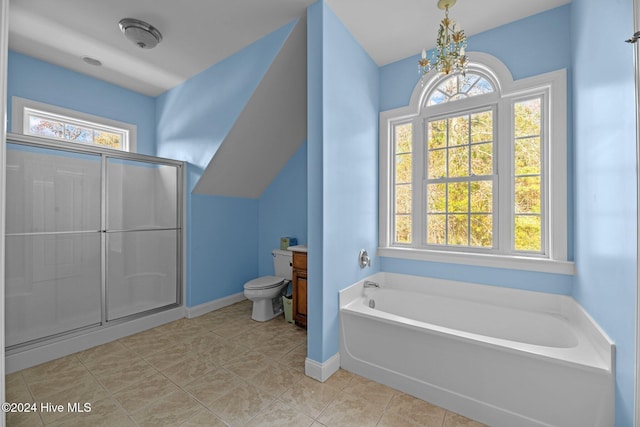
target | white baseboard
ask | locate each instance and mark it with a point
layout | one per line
(199, 310)
(322, 371)
(22, 359)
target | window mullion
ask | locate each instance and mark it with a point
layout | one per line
(504, 204)
(419, 188)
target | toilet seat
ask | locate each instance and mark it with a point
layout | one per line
(265, 282)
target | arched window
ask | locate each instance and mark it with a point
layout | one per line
(460, 87)
(475, 165)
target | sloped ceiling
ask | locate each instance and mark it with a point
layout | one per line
(270, 129)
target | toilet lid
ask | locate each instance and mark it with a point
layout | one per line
(265, 282)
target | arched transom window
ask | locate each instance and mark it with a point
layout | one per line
(460, 87)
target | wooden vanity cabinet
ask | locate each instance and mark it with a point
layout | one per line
(299, 285)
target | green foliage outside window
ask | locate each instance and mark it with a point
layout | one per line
(527, 176)
(460, 211)
(403, 169)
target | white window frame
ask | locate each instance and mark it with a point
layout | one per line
(21, 109)
(552, 87)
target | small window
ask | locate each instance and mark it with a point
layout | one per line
(403, 188)
(49, 121)
(528, 168)
(460, 87)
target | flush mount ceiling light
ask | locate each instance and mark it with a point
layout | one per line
(450, 46)
(140, 33)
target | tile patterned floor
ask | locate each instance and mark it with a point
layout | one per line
(220, 369)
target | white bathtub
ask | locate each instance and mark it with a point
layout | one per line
(501, 356)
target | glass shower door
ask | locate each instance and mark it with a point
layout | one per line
(142, 235)
(53, 243)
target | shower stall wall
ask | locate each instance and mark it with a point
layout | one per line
(93, 239)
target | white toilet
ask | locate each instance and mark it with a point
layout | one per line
(266, 292)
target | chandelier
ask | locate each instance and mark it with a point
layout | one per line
(450, 47)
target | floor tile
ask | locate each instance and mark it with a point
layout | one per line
(54, 382)
(112, 362)
(226, 352)
(212, 385)
(50, 369)
(375, 393)
(452, 419)
(169, 410)
(240, 404)
(16, 390)
(162, 359)
(276, 347)
(279, 415)
(309, 396)
(231, 329)
(249, 364)
(204, 418)
(135, 396)
(96, 355)
(189, 369)
(413, 411)
(147, 345)
(84, 390)
(204, 343)
(129, 372)
(23, 419)
(340, 379)
(275, 379)
(347, 410)
(295, 359)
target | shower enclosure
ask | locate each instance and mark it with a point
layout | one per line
(93, 238)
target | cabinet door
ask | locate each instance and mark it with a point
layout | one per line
(300, 297)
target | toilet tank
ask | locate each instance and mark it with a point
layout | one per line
(282, 261)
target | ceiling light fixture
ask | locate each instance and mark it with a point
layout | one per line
(450, 47)
(140, 33)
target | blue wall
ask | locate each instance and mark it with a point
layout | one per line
(192, 121)
(282, 210)
(605, 189)
(535, 45)
(40, 81)
(315, 174)
(343, 163)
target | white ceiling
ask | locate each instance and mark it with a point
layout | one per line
(200, 33)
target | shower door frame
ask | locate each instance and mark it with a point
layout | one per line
(4, 51)
(105, 154)
(636, 60)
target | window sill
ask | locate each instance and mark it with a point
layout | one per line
(541, 265)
